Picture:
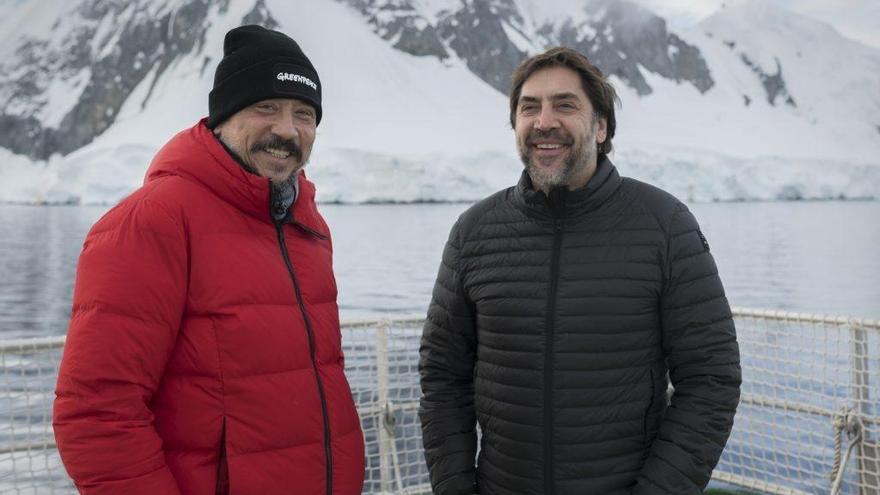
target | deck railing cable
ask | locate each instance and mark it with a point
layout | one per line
(808, 420)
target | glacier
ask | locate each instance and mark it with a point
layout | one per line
(404, 128)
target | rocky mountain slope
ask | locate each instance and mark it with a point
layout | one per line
(415, 91)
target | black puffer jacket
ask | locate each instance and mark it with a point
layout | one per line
(553, 324)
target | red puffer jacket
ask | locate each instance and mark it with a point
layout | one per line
(204, 351)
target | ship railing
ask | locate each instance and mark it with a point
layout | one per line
(808, 420)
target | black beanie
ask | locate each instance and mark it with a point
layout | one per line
(259, 64)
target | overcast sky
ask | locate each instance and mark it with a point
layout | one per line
(856, 19)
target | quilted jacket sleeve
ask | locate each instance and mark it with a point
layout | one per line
(446, 366)
(699, 341)
(128, 302)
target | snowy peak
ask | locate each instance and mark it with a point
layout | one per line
(478, 34)
(486, 35)
(493, 36)
(741, 106)
(63, 91)
(740, 26)
(98, 51)
(400, 23)
(742, 17)
(801, 63)
(625, 40)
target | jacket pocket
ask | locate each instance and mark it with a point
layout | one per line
(647, 418)
(222, 466)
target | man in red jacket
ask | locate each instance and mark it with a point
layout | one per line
(204, 353)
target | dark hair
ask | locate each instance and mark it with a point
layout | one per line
(596, 86)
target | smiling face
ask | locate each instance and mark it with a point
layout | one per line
(272, 138)
(556, 130)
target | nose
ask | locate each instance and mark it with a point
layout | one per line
(547, 119)
(284, 126)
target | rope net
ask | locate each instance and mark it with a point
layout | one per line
(810, 397)
(381, 360)
(29, 463)
(810, 394)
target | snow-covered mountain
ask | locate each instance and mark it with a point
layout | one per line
(753, 103)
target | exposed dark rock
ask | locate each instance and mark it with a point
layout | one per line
(147, 37)
(141, 44)
(789, 193)
(476, 34)
(400, 22)
(746, 100)
(774, 84)
(602, 52)
(21, 134)
(261, 16)
(628, 37)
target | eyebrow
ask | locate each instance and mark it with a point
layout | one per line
(556, 97)
(564, 96)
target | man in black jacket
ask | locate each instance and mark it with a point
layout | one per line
(561, 306)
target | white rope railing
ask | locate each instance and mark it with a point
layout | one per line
(849, 425)
(809, 414)
(808, 421)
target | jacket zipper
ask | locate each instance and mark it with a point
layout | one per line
(222, 465)
(548, 357)
(650, 405)
(328, 455)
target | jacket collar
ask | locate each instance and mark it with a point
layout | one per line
(197, 155)
(564, 203)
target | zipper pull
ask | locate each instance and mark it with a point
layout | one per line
(278, 209)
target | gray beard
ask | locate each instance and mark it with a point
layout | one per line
(546, 180)
(579, 158)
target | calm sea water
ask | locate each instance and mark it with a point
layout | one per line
(816, 257)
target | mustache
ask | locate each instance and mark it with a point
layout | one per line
(556, 134)
(278, 143)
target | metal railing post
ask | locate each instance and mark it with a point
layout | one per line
(386, 474)
(867, 451)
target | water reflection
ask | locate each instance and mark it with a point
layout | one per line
(814, 257)
(39, 247)
(817, 257)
